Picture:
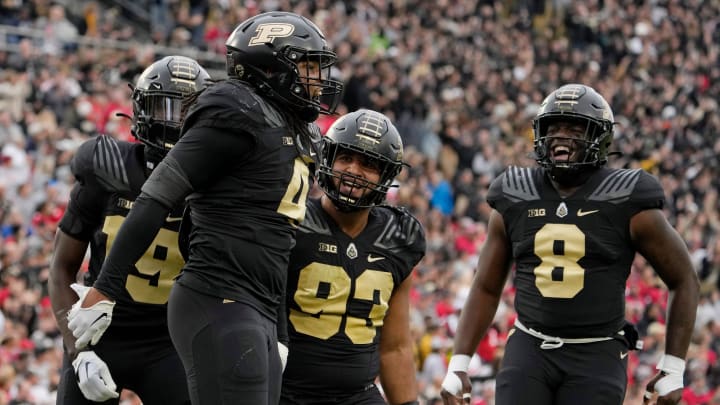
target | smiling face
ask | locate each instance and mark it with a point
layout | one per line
(573, 131)
(566, 141)
(355, 172)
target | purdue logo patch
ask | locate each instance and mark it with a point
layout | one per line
(351, 251)
(562, 210)
(266, 33)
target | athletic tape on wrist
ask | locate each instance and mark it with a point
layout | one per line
(459, 362)
(673, 367)
(452, 383)
(671, 364)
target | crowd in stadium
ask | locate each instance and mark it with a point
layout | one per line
(461, 79)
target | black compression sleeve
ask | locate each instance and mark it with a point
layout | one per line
(135, 235)
(205, 154)
(168, 183)
(282, 330)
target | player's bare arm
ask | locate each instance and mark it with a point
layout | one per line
(492, 272)
(397, 365)
(665, 250)
(67, 259)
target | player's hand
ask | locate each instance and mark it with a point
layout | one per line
(90, 316)
(94, 377)
(456, 388)
(656, 391)
(283, 351)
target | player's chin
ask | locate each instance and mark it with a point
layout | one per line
(563, 160)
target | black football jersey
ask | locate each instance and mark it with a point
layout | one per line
(572, 255)
(109, 176)
(244, 220)
(338, 293)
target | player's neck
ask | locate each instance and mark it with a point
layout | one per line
(565, 191)
(351, 223)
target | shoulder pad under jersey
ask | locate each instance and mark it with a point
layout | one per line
(402, 234)
(513, 185)
(308, 144)
(635, 186)
(232, 104)
(104, 161)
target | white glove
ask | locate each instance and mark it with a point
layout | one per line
(94, 377)
(88, 324)
(283, 351)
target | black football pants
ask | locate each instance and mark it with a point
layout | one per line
(229, 349)
(369, 396)
(150, 369)
(588, 374)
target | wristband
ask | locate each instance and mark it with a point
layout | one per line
(459, 362)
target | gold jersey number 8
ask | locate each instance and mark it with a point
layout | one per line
(566, 259)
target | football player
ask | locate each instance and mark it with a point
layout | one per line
(349, 275)
(572, 228)
(243, 164)
(137, 352)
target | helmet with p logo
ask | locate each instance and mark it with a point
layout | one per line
(286, 57)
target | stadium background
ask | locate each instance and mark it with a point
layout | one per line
(461, 78)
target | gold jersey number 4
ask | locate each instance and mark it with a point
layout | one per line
(292, 204)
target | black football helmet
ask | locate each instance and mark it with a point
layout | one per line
(265, 50)
(372, 135)
(157, 99)
(574, 103)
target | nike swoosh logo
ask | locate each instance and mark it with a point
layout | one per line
(101, 316)
(582, 213)
(227, 301)
(372, 259)
(173, 219)
(623, 355)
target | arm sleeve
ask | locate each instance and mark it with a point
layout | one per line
(282, 320)
(204, 154)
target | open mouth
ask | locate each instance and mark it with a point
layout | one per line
(561, 153)
(347, 199)
(351, 187)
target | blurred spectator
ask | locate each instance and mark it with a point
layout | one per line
(60, 33)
